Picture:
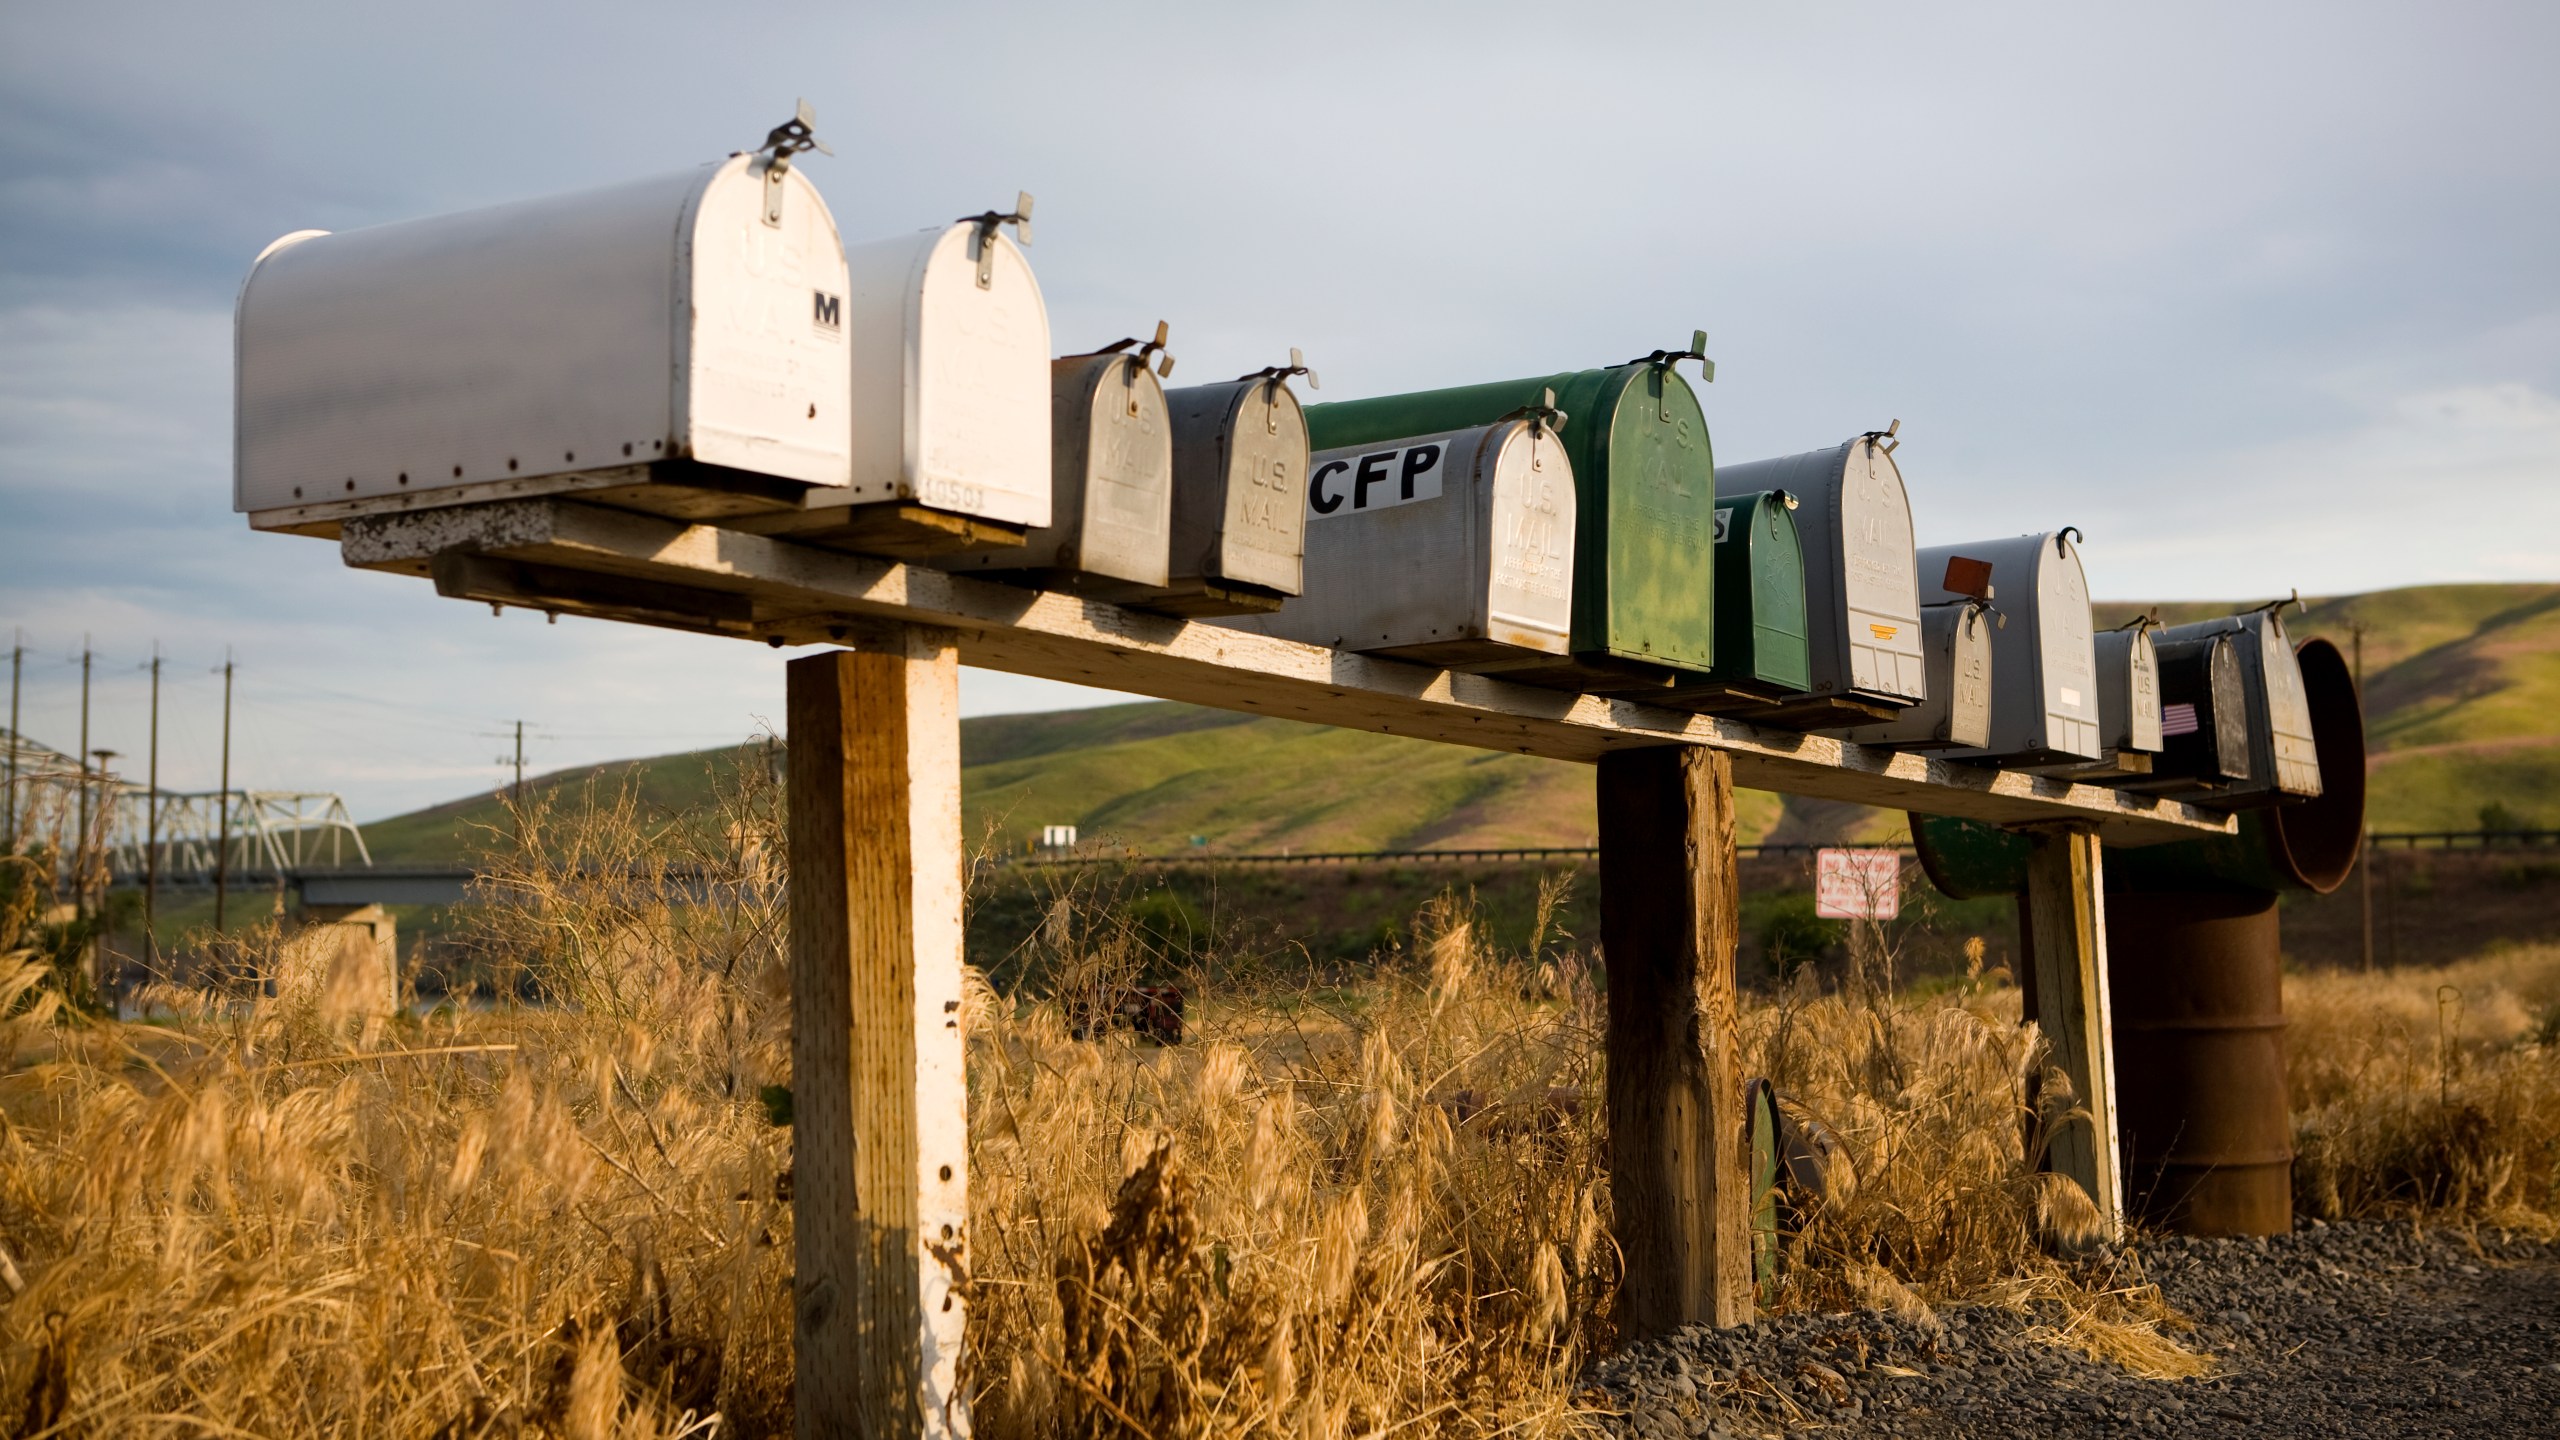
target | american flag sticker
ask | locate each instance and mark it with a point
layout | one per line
(2177, 720)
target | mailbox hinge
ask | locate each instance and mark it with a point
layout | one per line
(987, 224)
(794, 136)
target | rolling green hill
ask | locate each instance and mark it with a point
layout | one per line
(2463, 684)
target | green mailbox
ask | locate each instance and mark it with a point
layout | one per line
(1762, 650)
(1645, 492)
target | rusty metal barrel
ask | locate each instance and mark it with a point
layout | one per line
(2195, 976)
(2197, 986)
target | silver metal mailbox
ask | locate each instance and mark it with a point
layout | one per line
(1956, 713)
(1239, 516)
(1862, 594)
(2044, 681)
(949, 351)
(1111, 480)
(1453, 549)
(675, 344)
(2284, 764)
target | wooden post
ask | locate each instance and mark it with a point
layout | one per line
(880, 1104)
(1677, 1173)
(2066, 940)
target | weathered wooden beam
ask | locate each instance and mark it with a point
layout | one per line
(1669, 910)
(802, 594)
(2066, 935)
(879, 1100)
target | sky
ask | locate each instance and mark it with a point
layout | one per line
(2260, 296)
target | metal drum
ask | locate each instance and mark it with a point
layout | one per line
(676, 344)
(2044, 681)
(1110, 481)
(1760, 619)
(2196, 983)
(1239, 516)
(1454, 549)
(1645, 514)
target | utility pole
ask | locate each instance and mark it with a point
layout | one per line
(17, 667)
(222, 826)
(151, 828)
(2364, 875)
(97, 942)
(519, 790)
(80, 839)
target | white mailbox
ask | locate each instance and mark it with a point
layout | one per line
(2284, 764)
(1861, 593)
(1110, 478)
(1956, 713)
(675, 344)
(950, 390)
(2044, 669)
(1239, 508)
(1453, 549)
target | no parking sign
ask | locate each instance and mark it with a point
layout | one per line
(1857, 884)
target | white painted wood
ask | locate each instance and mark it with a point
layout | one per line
(804, 595)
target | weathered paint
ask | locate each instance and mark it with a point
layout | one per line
(1239, 508)
(1454, 549)
(1862, 590)
(1645, 481)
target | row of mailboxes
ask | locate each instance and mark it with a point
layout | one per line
(704, 345)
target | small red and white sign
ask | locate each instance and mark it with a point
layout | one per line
(1857, 884)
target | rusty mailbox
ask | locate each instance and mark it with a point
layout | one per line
(2044, 682)
(1862, 594)
(1453, 549)
(1111, 477)
(676, 344)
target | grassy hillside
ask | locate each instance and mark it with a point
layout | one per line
(2462, 687)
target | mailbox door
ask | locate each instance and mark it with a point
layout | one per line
(1759, 609)
(2129, 690)
(1530, 541)
(1240, 474)
(1645, 510)
(950, 380)
(1862, 592)
(2204, 729)
(765, 387)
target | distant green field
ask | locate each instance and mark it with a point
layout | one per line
(2461, 682)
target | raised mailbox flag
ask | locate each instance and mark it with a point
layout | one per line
(1857, 884)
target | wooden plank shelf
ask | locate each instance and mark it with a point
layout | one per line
(562, 555)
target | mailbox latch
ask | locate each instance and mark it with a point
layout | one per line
(794, 136)
(988, 223)
(1155, 347)
(1273, 377)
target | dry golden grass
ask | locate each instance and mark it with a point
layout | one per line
(1330, 1212)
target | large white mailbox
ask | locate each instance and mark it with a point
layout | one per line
(2044, 670)
(676, 344)
(1110, 477)
(950, 389)
(1861, 593)
(1453, 549)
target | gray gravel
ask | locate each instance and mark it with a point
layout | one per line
(2365, 1330)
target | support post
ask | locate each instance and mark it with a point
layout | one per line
(1677, 1173)
(879, 1101)
(2066, 940)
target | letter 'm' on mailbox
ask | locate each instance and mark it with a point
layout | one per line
(676, 344)
(1111, 482)
(1861, 588)
(2044, 680)
(1239, 506)
(1454, 549)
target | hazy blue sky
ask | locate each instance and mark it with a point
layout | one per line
(2258, 296)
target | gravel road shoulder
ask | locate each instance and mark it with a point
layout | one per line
(2343, 1329)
